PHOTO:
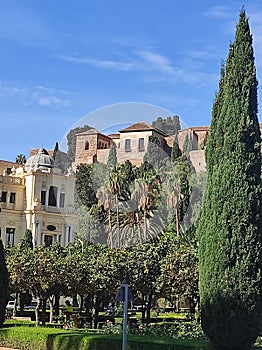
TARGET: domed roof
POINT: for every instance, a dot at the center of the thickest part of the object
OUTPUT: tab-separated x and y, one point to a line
41	161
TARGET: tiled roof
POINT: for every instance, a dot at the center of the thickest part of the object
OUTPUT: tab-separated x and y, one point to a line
89	132
141	126
137	127
114	136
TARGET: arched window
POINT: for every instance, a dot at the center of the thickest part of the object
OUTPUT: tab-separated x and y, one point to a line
86	145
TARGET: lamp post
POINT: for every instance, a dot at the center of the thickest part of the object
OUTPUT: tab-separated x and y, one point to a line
124	294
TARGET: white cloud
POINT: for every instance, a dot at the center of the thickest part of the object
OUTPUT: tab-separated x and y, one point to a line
105	64
50	100
45	97
158	62
220	11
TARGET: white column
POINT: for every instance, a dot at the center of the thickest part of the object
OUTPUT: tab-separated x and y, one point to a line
58	197
66	234
34	233
70	234
38	223
46	198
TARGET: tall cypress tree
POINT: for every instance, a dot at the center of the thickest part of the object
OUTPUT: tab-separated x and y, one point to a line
230	226
112	157
4	285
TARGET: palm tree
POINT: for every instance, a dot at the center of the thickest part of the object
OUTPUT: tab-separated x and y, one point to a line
20	159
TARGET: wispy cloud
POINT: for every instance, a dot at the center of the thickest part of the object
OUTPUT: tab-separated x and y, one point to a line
153	66
40	95
220	12
102	63
158	62
142	60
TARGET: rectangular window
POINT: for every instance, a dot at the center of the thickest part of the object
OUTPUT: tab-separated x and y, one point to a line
62	200
12	197
128	145
3	197
10	236
48	239
141	144
52	196
43	196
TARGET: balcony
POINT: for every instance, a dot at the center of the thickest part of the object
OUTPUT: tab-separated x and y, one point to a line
10	180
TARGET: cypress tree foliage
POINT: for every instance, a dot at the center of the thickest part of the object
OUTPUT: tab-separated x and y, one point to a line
112	157
84	188
175	153
155	153
55	150
27	241
4	285
230	227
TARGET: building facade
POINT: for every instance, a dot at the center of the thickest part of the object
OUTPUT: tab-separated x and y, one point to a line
131	144
37	197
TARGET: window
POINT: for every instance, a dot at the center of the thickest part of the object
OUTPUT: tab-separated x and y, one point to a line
141	144
62	200
48	239
3	197
12	197
43	196
10	236
52	196
86	145
128	145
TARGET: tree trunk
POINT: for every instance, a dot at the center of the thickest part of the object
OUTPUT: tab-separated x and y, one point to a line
37	311
43	310
56	304
94	315
148	309
51	303
15	306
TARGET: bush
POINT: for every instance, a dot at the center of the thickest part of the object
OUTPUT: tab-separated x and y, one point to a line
175	330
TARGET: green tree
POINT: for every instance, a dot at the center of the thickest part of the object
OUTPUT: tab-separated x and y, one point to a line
41	271
179	273
71	140
168	125
61	159
230	226
55	150
175	153
20	159
4	284
156	152
144	264
112	158
85	191
27	240
188	144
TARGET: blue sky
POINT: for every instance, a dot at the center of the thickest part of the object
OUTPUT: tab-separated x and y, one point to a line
63	60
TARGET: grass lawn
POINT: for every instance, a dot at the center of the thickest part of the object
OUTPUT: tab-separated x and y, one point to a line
29	337
42	338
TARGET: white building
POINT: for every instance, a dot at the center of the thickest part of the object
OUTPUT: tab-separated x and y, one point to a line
37	197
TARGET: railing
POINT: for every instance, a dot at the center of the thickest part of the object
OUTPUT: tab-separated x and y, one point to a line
10	180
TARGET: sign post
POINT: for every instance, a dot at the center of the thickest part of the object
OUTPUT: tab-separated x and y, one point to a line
124	294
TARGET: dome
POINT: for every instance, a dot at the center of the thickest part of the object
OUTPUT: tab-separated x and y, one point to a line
41	161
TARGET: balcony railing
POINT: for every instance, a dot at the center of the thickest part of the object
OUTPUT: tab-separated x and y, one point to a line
10	180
